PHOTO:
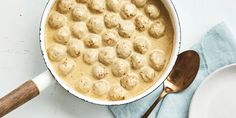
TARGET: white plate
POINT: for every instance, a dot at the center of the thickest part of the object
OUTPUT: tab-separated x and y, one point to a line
216	96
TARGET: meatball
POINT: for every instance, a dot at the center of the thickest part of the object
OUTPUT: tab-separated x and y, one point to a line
75	47
90	56
157	60
126	29
137	61
147	74
116	93
128	11
157	29
65	6
141	45
119	67
129	81
93	41
141	23
139	3
107	55
109	38
79	30
84	84
111	20
124	49
97	6
152	11
101	87
56	52
66	66
95	24
62	35
113	5
57	20
80	13
99	71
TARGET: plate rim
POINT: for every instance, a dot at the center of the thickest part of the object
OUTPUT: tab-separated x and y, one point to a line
203	83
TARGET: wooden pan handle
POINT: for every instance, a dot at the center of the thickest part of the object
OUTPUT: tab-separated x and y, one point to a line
17	97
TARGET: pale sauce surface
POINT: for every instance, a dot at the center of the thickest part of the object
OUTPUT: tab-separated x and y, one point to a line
164	43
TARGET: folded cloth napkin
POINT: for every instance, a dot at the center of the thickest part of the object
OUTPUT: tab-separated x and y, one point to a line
217	48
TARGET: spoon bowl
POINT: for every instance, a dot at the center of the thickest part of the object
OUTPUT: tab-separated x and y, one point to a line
184	71
181	76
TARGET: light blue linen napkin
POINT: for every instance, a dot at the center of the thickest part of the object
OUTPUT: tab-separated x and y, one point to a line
217	48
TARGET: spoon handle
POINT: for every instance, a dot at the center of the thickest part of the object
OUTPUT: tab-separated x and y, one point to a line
149	111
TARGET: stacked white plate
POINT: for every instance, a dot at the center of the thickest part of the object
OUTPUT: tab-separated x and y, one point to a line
216	96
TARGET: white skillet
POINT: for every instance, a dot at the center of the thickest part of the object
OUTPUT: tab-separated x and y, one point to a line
33	87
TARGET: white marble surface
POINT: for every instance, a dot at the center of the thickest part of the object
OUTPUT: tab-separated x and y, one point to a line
20	57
